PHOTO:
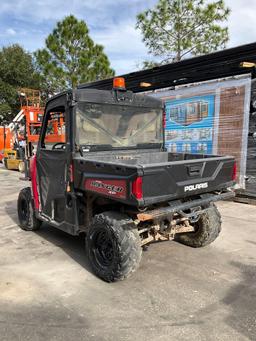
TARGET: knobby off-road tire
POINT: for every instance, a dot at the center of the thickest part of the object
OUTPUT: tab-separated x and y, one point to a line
207	229
113	246
27	218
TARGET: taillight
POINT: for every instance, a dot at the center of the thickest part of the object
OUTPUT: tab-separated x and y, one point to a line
137	188
234	172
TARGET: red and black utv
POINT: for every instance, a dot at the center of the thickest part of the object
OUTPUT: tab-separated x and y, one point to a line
112	178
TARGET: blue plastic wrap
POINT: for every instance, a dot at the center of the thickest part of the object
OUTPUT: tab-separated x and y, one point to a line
209	118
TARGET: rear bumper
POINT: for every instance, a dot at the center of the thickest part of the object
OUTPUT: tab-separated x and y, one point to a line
176	206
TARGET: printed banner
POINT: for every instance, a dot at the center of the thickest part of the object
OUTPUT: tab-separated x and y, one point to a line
189	124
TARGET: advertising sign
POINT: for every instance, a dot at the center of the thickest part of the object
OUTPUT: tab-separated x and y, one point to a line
189	124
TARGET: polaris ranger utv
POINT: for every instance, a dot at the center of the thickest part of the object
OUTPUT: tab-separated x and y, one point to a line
113	179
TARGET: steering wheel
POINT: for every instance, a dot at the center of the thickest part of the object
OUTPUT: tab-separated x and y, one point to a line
61	144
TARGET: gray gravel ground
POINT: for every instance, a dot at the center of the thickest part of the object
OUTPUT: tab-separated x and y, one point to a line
47	290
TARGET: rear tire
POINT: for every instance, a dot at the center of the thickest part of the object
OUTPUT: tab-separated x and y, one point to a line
113	246
207	229
26	214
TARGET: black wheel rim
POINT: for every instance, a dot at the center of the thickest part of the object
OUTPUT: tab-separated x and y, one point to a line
103	247
24	210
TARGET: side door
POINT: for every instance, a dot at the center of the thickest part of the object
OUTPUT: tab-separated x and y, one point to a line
52	161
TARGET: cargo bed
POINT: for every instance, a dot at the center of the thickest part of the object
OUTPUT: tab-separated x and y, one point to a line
165	176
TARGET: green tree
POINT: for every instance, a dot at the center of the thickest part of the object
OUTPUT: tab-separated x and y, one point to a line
71	57
174	29
16	70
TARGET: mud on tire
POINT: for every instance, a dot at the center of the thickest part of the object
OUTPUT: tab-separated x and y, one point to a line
113	246
207	229
27	218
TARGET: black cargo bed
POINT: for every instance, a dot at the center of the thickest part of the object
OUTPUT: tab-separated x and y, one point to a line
166	176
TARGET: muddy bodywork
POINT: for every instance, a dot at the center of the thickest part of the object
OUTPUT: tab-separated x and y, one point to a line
165	176
72	184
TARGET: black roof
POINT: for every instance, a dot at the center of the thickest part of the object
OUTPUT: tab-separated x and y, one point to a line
220	64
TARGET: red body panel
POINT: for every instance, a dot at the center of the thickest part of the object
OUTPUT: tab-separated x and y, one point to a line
112	188
33	174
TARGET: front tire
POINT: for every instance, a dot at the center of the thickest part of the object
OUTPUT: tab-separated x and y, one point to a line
26	214
113	246
207	229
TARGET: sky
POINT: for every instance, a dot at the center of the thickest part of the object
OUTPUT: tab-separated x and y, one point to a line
111	23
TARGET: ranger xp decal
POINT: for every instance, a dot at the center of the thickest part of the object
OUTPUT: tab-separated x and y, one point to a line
195	187
113	188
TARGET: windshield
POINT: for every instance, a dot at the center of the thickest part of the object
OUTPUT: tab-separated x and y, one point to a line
118	126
